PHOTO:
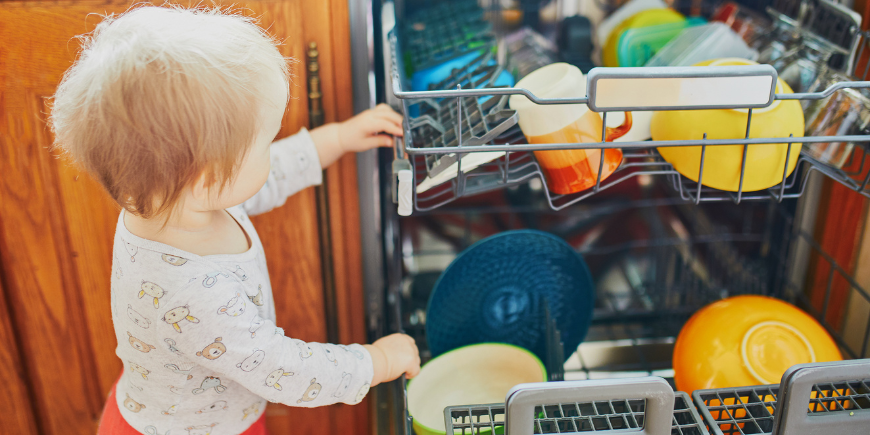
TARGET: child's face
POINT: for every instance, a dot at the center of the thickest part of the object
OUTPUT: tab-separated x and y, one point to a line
254	170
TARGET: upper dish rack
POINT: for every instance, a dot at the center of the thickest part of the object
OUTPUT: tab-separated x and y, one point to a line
468	116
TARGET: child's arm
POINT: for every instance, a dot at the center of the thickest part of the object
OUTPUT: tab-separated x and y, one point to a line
218	328
294	167
297	161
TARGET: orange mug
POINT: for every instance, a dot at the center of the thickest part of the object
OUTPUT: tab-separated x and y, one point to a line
567	171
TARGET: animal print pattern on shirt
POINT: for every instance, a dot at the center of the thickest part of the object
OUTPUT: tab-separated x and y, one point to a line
197	335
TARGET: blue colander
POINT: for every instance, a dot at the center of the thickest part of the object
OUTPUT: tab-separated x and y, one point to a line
497	290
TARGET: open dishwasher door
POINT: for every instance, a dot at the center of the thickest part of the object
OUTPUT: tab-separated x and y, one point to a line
660	246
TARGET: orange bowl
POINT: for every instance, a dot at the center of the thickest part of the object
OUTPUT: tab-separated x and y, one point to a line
747	340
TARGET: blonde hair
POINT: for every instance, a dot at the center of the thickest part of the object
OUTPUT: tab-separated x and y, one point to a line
161	96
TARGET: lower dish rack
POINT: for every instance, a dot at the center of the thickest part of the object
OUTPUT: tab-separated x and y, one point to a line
820	398
811	399
600	416
639	404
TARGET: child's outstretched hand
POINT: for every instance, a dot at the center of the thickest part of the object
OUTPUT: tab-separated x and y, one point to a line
370	129
393	356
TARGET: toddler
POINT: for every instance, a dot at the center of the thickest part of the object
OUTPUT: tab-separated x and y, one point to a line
174	112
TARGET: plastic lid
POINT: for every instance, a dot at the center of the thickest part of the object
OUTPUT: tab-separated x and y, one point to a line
637	46
623	13
558	80
700	43
770	348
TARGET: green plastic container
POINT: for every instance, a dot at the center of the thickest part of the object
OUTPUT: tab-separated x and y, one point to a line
637	46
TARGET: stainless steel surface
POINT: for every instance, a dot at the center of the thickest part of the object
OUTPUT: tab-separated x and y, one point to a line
388	24
368	171
368	184
637	144
619	358
362	54
661	72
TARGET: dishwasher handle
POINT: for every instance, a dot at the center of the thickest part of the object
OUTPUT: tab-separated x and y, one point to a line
522	399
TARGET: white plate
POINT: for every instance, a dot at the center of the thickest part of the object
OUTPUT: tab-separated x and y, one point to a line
469	162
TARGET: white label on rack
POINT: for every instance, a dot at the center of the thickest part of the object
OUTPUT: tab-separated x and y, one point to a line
676	88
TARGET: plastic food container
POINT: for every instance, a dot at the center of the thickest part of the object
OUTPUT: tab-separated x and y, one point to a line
436	74
567	171
602	32
648	18
637	46
700	43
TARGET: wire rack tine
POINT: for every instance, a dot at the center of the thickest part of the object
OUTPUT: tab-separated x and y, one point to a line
785	170
745	152
601	157
701	171
866	342
828	289
866	177
460	175
864	50
507	166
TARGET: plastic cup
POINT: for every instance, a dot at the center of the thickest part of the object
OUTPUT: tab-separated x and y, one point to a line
567	171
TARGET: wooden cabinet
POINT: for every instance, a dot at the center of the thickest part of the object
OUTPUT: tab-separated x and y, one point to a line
56	227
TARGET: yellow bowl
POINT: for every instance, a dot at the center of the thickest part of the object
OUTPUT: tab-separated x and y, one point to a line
747	340
764	163
472	375
649	17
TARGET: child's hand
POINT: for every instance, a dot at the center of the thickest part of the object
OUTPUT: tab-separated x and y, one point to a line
370	129
393	356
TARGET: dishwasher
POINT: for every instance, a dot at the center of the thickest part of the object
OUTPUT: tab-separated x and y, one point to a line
659	244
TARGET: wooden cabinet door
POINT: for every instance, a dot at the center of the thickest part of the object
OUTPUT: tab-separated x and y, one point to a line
57	225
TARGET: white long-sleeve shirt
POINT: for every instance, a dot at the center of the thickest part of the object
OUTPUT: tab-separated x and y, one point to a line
197	334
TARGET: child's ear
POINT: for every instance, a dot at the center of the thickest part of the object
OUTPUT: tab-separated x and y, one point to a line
199	189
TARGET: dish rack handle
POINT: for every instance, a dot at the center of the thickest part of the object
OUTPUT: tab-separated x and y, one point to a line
680	88
796	391
522	399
